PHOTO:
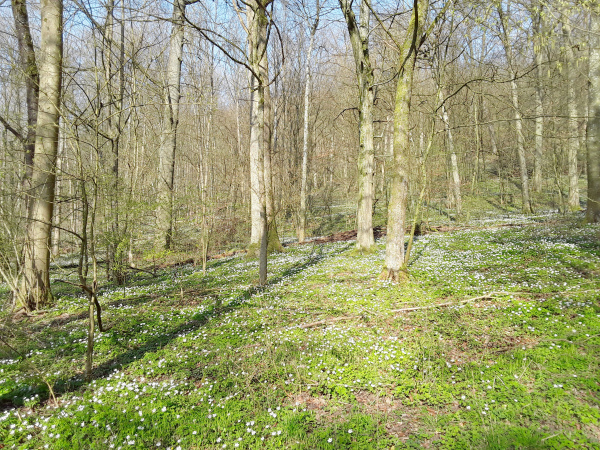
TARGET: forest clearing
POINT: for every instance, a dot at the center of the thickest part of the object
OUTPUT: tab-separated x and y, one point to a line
197	361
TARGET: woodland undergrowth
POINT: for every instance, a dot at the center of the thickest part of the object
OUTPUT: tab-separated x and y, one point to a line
493	342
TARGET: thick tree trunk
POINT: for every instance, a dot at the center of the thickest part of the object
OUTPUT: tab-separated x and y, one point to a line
395	269
593	125
255	167
36	273
29	67
168	142
359	38
573	125
257	50
394	249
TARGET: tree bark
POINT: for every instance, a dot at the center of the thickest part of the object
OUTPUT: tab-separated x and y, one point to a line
273	242
29	67
593	126
526	202
36	273
257	23
359	38
539	103
572	125
455	180
168	144
395	269
307	83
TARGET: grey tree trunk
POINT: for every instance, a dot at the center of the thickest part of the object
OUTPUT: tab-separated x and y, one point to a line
526	202
257	23
305	137
29	67
35	290
273	242
455	180
168	144
113	98
539	103
593	125
255	167
573	124
359	38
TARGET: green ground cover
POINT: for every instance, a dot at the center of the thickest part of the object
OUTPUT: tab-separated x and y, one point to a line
197	361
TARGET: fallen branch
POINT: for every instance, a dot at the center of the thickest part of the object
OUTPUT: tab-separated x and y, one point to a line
137	269
489	296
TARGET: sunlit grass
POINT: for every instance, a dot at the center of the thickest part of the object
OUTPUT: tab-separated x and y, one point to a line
209	361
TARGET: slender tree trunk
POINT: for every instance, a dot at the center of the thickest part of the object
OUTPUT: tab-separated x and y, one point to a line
36	273
573	125
593	125
539	103
29	67
526	202
359	38
455	176
273	245
168	142
58	193
305	137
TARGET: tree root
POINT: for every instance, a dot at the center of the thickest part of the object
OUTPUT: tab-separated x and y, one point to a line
395	276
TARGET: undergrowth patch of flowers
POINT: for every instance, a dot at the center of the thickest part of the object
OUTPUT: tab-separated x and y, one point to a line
197	360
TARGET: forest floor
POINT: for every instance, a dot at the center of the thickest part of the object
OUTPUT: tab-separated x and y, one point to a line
494	342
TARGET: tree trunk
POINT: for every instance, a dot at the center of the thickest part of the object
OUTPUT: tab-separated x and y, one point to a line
256	164
307	80
273	244
593	126
29	67
539	104
395	269
455	178
36	272
257	49
526	202
573	125
359	38
168	142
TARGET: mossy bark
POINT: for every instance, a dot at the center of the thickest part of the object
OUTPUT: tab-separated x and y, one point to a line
394	249
359	38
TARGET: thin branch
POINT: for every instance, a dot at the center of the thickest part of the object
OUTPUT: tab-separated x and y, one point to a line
489	296
18	135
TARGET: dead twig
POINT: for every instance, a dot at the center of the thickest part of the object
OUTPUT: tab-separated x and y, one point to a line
488	296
